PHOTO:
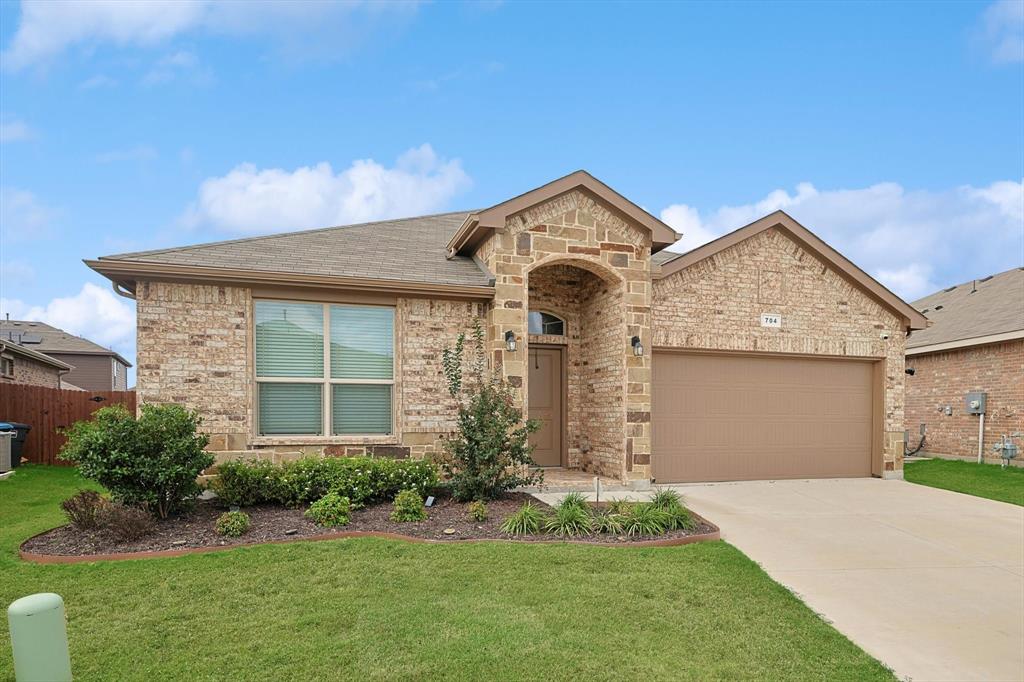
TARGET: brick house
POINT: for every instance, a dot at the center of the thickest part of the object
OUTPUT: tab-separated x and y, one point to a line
975	343
93	367
764	354
20	365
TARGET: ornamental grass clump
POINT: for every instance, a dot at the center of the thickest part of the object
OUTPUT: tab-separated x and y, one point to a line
677	516
644	518
330	511
569	520
408	506
527	520
232	524
607	522
489	453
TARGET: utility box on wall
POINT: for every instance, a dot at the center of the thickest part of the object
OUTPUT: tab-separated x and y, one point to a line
975	402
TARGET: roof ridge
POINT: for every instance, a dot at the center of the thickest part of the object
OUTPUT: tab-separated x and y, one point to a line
985	279
276	235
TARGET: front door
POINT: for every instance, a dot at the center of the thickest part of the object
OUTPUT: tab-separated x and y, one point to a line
545	405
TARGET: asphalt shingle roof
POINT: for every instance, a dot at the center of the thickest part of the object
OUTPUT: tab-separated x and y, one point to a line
43	338
408	250
983	307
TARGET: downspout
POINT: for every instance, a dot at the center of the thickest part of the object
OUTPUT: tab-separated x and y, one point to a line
116	286
981	438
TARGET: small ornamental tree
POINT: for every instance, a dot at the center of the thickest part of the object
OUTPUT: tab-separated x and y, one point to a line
490	451
150	462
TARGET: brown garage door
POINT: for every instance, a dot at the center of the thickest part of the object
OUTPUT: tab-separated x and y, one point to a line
754	417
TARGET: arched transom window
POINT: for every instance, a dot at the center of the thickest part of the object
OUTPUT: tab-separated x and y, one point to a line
545	323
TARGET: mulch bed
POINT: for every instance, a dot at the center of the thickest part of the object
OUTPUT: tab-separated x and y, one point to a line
270	523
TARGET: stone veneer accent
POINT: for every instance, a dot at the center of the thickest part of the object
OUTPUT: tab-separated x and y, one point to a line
193	349
944	378
716	304
576	230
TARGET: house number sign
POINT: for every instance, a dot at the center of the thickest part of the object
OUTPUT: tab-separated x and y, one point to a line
771	320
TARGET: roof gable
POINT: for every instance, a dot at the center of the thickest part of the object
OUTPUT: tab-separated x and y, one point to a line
478	226
912	319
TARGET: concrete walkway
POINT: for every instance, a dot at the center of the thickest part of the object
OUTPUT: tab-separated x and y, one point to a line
928	581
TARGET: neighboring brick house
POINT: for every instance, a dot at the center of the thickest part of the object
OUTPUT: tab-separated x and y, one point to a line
20	365
975	343
764	354
94	368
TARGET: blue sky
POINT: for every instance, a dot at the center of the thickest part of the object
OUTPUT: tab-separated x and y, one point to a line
893	130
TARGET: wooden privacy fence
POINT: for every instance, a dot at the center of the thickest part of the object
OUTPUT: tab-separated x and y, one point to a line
48	409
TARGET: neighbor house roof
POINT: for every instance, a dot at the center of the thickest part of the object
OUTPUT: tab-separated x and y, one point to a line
479	225
15	349
50	340
382	254
807	239
985	310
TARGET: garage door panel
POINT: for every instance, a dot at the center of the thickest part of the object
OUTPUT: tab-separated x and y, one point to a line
722	417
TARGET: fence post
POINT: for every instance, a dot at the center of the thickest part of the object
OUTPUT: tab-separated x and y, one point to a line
39	639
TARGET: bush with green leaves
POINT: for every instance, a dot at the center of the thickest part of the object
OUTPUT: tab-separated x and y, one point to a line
152	461
363	480
527	520
644	518
477	510
232	524
330	511
408	506
83	509
569	520
490	451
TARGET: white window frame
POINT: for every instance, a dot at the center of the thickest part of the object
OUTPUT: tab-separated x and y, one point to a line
326	382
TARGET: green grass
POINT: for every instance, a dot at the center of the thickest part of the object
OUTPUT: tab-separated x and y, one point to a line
384	610
982	480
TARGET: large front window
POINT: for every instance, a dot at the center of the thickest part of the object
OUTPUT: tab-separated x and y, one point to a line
324	369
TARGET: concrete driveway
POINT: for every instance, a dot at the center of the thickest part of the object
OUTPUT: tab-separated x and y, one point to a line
928	581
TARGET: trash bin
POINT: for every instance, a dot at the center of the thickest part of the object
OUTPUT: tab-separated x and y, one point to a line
5	450
18	442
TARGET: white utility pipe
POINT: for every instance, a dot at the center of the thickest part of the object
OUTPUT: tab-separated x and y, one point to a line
981	437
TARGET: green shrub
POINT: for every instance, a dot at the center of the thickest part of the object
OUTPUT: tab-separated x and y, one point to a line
526	520
490	451
232	524
361	479
645	519
83	509
574	499
152	461
569	520
477	510
677	516
244	484
408	507
330	511
607	522
124	522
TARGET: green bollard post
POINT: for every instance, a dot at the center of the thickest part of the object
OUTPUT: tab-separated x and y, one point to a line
39	639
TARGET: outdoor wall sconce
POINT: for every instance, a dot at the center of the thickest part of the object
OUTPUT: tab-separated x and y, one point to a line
638	348
510	341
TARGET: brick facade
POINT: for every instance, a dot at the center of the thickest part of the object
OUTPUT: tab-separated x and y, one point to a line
944	378
31	371
716	304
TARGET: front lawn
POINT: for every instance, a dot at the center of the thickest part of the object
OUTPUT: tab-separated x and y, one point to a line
377	609
982	480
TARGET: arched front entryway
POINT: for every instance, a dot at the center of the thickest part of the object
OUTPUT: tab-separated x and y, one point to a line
576	366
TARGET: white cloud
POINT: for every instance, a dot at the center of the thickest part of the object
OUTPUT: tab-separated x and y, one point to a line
142	152
96	313
23	216
14	131
912	241
98	81
177	65
250	200
1001	31
16	269
49	28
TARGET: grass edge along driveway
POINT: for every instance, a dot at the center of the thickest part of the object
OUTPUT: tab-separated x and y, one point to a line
990	481
378	609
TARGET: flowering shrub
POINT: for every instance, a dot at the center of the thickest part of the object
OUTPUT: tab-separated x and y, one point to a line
232	524
361	479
